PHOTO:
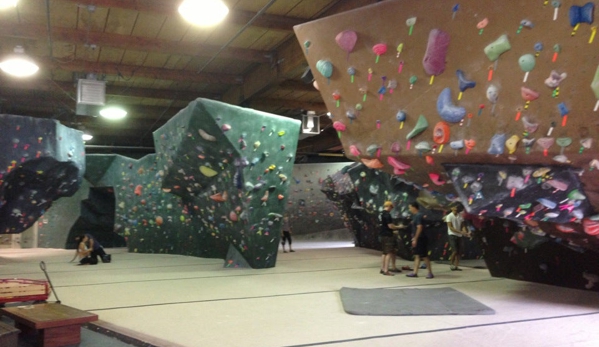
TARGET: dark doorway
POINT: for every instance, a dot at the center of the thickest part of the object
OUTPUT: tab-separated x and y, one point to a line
97	219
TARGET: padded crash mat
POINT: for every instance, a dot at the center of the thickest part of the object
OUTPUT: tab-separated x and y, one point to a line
410	302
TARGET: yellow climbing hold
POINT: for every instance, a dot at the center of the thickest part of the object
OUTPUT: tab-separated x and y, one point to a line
281	133
208	172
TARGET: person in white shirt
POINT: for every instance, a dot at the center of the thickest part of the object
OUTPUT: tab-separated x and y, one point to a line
455	230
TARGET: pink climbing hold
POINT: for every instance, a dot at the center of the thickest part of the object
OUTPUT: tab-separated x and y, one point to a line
436	178
396	164
436	51
354	151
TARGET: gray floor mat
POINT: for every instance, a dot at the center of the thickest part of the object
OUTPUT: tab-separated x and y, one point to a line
410	302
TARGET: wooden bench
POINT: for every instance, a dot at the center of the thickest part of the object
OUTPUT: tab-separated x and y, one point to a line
9	335
55	324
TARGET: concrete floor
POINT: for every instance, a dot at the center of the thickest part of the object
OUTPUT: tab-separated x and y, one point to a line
172	300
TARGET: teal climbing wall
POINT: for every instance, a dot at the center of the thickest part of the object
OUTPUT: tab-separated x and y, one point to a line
216	187
309	209
40	162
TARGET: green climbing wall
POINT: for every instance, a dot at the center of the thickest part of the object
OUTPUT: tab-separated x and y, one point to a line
216	187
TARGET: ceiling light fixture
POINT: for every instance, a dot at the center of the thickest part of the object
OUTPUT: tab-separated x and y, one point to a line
19	64
4	4
310	122
113	112
203	12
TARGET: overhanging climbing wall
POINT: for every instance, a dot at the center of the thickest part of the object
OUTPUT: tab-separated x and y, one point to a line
216	187
415	85
40	161
489	103
359	193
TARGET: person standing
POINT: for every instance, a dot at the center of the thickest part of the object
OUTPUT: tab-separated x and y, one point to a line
419	242
387	238
455	231
286	233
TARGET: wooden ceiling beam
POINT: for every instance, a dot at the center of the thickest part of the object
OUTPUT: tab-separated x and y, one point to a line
290	62
298	86
70	88
265	103
47	104
129	71
100	39
170	8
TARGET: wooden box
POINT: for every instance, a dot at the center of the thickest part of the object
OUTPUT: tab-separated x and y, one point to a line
19	289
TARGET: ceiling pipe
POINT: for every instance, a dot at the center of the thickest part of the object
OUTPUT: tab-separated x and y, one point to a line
50	44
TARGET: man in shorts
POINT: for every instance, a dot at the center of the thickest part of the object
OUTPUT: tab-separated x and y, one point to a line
455	231
387	238
419	242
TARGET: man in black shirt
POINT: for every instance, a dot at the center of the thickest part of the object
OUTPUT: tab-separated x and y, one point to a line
387	238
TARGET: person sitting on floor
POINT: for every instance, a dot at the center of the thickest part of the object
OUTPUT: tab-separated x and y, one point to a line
84	252
97	249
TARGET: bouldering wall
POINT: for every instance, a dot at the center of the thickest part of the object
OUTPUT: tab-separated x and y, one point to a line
434	92
55	225
309	209
217	186
528	253
40	162
359	193
96	218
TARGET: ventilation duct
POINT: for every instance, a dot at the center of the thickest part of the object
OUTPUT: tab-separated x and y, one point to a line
91	94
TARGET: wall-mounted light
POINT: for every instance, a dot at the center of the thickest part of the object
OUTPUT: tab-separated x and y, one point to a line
203	12
310	123
19	64
86	136
4	4
113	112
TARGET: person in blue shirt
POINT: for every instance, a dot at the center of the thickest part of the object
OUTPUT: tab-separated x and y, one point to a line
419	242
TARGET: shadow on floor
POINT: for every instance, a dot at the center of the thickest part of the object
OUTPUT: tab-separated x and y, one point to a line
472	263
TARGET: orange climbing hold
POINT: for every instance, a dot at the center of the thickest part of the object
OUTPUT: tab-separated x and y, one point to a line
372	163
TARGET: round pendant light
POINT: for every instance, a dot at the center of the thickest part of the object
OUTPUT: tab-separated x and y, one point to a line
203	12
4	4
19	64
113	112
